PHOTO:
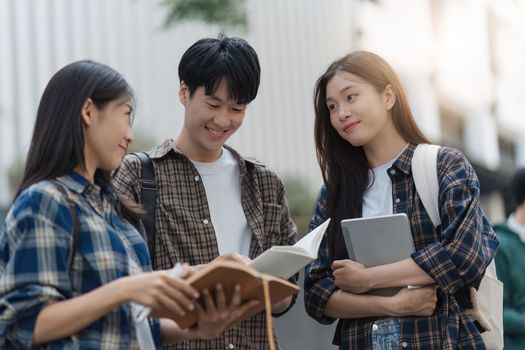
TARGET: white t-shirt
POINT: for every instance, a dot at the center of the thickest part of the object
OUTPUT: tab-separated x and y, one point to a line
377	199
222	184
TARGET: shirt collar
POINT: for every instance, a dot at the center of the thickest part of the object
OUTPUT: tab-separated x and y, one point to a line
169	146
404	161
163	149
75	182
79	184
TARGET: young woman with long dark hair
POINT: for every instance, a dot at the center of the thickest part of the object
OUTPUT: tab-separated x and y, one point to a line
71	267
365	138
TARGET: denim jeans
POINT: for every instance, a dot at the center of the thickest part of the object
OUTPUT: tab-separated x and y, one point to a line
385	334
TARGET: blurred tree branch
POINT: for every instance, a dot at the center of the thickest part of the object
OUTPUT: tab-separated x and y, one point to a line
224	13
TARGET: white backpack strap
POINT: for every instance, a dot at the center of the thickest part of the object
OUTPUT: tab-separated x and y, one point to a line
424	172
488	300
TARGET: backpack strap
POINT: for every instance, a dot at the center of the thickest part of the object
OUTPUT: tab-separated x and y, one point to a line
148	198
76	223
487	300
424	172
425	175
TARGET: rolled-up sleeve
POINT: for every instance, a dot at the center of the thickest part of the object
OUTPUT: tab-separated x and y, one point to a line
319	282
468	242
34	264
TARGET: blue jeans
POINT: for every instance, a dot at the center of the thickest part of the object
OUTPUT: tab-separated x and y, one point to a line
385	334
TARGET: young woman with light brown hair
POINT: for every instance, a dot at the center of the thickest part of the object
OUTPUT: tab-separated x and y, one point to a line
365	137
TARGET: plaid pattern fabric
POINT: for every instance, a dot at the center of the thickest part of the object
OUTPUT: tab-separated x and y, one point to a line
185	232
455	255
35	249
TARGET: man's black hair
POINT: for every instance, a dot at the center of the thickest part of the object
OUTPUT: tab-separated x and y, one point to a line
209	62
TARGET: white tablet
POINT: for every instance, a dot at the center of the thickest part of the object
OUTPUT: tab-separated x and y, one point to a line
378	240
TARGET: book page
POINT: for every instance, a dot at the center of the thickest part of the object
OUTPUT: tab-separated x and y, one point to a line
285	261
311	241
280	263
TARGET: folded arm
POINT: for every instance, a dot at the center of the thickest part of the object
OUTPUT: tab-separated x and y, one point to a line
468	242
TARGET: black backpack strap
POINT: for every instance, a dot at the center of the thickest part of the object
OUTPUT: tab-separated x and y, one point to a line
76	223
148	198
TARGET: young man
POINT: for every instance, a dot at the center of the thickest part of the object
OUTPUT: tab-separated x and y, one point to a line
211	202
510	266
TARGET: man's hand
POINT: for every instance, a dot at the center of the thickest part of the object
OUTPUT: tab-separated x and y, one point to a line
236	257
217	316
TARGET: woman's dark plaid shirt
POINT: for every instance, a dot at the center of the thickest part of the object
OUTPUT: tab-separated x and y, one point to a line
455	256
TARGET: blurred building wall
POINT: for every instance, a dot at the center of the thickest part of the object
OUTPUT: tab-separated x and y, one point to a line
37	37
460	61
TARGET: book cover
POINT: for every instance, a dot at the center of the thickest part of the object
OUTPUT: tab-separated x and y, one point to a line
228	274
378	240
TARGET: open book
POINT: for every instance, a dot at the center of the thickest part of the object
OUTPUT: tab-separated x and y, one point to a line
228	274
285	261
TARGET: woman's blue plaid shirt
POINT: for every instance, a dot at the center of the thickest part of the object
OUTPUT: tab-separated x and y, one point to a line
35	247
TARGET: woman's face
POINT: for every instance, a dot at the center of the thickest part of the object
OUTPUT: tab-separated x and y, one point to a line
358	112
107	133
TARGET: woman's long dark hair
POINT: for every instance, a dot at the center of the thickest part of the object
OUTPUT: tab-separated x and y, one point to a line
57	145
345	167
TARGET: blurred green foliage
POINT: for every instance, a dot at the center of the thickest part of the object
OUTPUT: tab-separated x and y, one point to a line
224	13
300	202
15	172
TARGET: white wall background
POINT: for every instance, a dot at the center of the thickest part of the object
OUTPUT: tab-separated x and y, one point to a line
295	40
468	53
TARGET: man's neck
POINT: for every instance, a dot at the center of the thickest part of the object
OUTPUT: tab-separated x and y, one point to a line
194	152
